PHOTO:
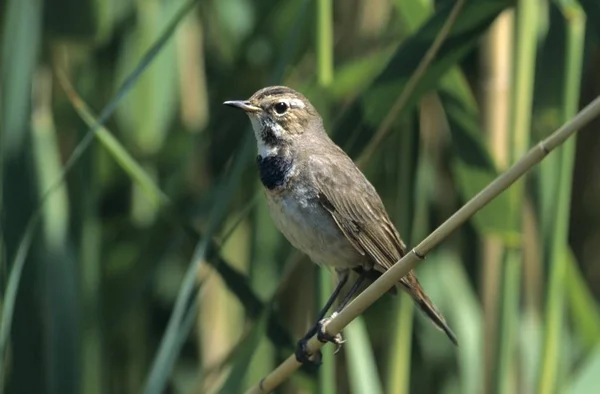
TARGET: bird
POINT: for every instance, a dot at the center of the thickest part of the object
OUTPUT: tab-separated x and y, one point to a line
324	205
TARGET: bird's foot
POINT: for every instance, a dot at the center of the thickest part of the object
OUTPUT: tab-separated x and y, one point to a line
324	337
303	356
302	353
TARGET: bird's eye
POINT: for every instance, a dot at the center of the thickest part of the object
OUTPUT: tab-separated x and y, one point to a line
281	108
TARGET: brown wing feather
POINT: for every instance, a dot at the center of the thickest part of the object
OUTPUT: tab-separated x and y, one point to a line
358	211
360	214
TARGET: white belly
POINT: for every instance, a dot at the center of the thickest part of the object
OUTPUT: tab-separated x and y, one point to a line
311	229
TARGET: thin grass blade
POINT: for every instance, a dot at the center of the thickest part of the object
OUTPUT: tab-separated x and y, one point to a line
585	380
362	366
582	306
559	248
244	352
25	242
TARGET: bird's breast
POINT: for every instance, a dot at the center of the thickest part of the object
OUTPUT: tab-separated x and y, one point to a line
297	213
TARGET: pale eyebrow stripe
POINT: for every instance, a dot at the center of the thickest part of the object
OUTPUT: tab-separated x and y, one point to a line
296	103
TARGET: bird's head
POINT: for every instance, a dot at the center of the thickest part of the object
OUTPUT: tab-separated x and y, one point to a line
280	117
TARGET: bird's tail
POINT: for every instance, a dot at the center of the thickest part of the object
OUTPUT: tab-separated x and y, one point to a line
413	287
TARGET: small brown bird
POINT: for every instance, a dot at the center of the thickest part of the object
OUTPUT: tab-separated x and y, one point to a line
323	203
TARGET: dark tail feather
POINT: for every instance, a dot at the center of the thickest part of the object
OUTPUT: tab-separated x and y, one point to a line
411	284
436	318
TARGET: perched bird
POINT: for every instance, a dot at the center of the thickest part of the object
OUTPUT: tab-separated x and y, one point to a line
322	202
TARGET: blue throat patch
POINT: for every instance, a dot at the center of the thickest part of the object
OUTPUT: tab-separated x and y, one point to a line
274	170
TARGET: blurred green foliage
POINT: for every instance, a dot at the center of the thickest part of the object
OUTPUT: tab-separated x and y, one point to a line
138	254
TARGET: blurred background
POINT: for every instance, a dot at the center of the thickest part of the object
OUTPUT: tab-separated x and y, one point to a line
140	256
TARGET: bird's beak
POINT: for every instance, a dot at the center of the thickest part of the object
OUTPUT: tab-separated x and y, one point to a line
243	105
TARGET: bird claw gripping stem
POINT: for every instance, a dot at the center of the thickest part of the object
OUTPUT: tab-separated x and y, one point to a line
324	337
303	356
302	353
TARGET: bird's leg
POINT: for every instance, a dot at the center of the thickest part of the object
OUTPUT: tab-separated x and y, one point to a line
302	354
351	292
337	339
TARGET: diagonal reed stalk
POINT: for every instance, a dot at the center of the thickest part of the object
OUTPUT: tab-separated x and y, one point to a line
411	85
408	262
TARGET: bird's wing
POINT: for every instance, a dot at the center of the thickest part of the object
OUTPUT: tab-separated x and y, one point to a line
358	211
